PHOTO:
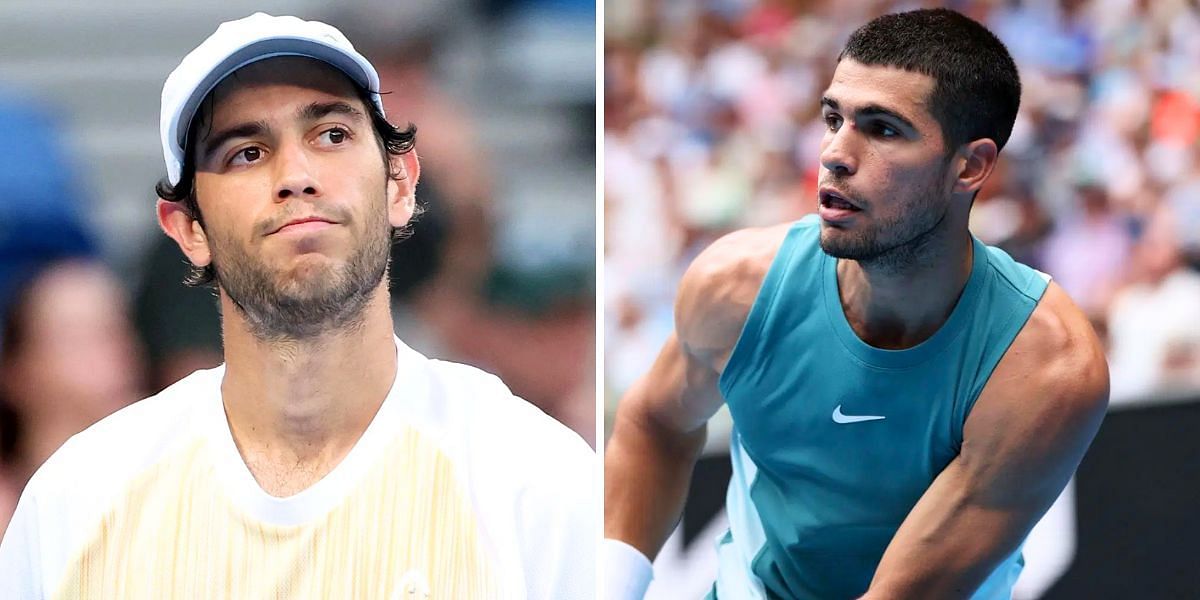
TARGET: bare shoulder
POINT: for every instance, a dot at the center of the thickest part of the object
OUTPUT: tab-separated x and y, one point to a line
1061	350
1054	373
719	288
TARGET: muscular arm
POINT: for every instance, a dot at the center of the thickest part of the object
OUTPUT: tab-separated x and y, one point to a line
657	437
1021	443
661	421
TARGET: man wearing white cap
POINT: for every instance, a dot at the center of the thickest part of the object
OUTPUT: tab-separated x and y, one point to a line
325	459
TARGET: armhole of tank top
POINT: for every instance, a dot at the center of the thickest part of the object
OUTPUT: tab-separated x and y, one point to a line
750	338
1032	286
1017	318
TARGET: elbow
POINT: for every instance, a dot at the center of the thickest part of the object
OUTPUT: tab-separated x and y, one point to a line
642	430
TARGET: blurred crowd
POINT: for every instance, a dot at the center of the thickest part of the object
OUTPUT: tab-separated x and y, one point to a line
712	123
82	334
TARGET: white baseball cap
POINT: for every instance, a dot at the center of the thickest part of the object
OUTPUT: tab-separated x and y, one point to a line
236	44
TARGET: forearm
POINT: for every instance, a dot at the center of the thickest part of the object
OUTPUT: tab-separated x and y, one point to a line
920	575
647	469
949	544
953	569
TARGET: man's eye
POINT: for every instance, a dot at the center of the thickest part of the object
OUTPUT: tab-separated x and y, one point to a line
833	121
335	136
886	131
246	156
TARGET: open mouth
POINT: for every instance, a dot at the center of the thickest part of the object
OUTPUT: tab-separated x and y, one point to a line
834	200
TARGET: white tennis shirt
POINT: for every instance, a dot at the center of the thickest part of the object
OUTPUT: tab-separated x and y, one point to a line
457	489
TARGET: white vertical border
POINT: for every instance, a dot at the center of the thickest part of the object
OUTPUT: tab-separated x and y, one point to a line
600	441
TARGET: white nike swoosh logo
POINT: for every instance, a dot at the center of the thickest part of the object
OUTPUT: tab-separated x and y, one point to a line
838	417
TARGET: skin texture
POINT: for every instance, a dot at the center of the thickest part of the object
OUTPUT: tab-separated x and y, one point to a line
1029	428
307	329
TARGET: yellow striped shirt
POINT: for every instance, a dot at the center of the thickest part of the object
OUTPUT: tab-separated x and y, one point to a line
457	489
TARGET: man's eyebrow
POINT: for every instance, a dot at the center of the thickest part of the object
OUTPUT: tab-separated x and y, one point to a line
317	110
871	110
216	140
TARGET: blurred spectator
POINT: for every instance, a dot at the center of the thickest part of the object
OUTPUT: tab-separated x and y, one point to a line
1087	251
68	356
70	359
1154	322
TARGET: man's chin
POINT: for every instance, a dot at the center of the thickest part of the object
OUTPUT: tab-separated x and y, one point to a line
315	262
308	290
840	244
308	270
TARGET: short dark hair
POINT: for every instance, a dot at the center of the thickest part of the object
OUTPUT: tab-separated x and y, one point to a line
393	141
976	89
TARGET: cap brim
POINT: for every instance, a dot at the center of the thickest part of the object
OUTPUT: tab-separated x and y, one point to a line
360	73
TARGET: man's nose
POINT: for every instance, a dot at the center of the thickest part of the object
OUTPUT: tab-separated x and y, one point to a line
294	173
838	152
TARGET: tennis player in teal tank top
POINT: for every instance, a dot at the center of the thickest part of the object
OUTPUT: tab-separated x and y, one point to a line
907	402
887	421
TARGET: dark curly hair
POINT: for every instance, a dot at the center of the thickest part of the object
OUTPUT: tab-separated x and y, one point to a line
392	141
976	90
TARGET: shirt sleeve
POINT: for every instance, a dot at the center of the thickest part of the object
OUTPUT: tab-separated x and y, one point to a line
20	569
559	528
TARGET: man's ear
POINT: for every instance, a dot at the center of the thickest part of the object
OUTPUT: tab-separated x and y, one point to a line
402	187
186	231
976	161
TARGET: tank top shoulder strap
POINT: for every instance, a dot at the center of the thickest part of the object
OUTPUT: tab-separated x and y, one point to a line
1010	295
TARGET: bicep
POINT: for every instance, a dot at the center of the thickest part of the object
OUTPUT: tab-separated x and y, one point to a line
1043	405
715	295
1014	460
678	392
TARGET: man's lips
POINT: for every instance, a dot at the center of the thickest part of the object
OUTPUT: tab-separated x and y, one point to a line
831	198
834	208
304	224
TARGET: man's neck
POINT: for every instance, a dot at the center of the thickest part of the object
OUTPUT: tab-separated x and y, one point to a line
898	304
296	408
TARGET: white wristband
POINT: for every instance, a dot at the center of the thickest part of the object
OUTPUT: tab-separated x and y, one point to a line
627	572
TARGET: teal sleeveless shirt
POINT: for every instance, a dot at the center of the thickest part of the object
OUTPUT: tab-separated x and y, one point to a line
835	440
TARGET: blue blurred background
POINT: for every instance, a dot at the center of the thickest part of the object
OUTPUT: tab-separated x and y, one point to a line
92	310
712	123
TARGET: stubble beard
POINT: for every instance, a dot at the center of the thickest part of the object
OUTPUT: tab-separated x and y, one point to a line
302	306
897	244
